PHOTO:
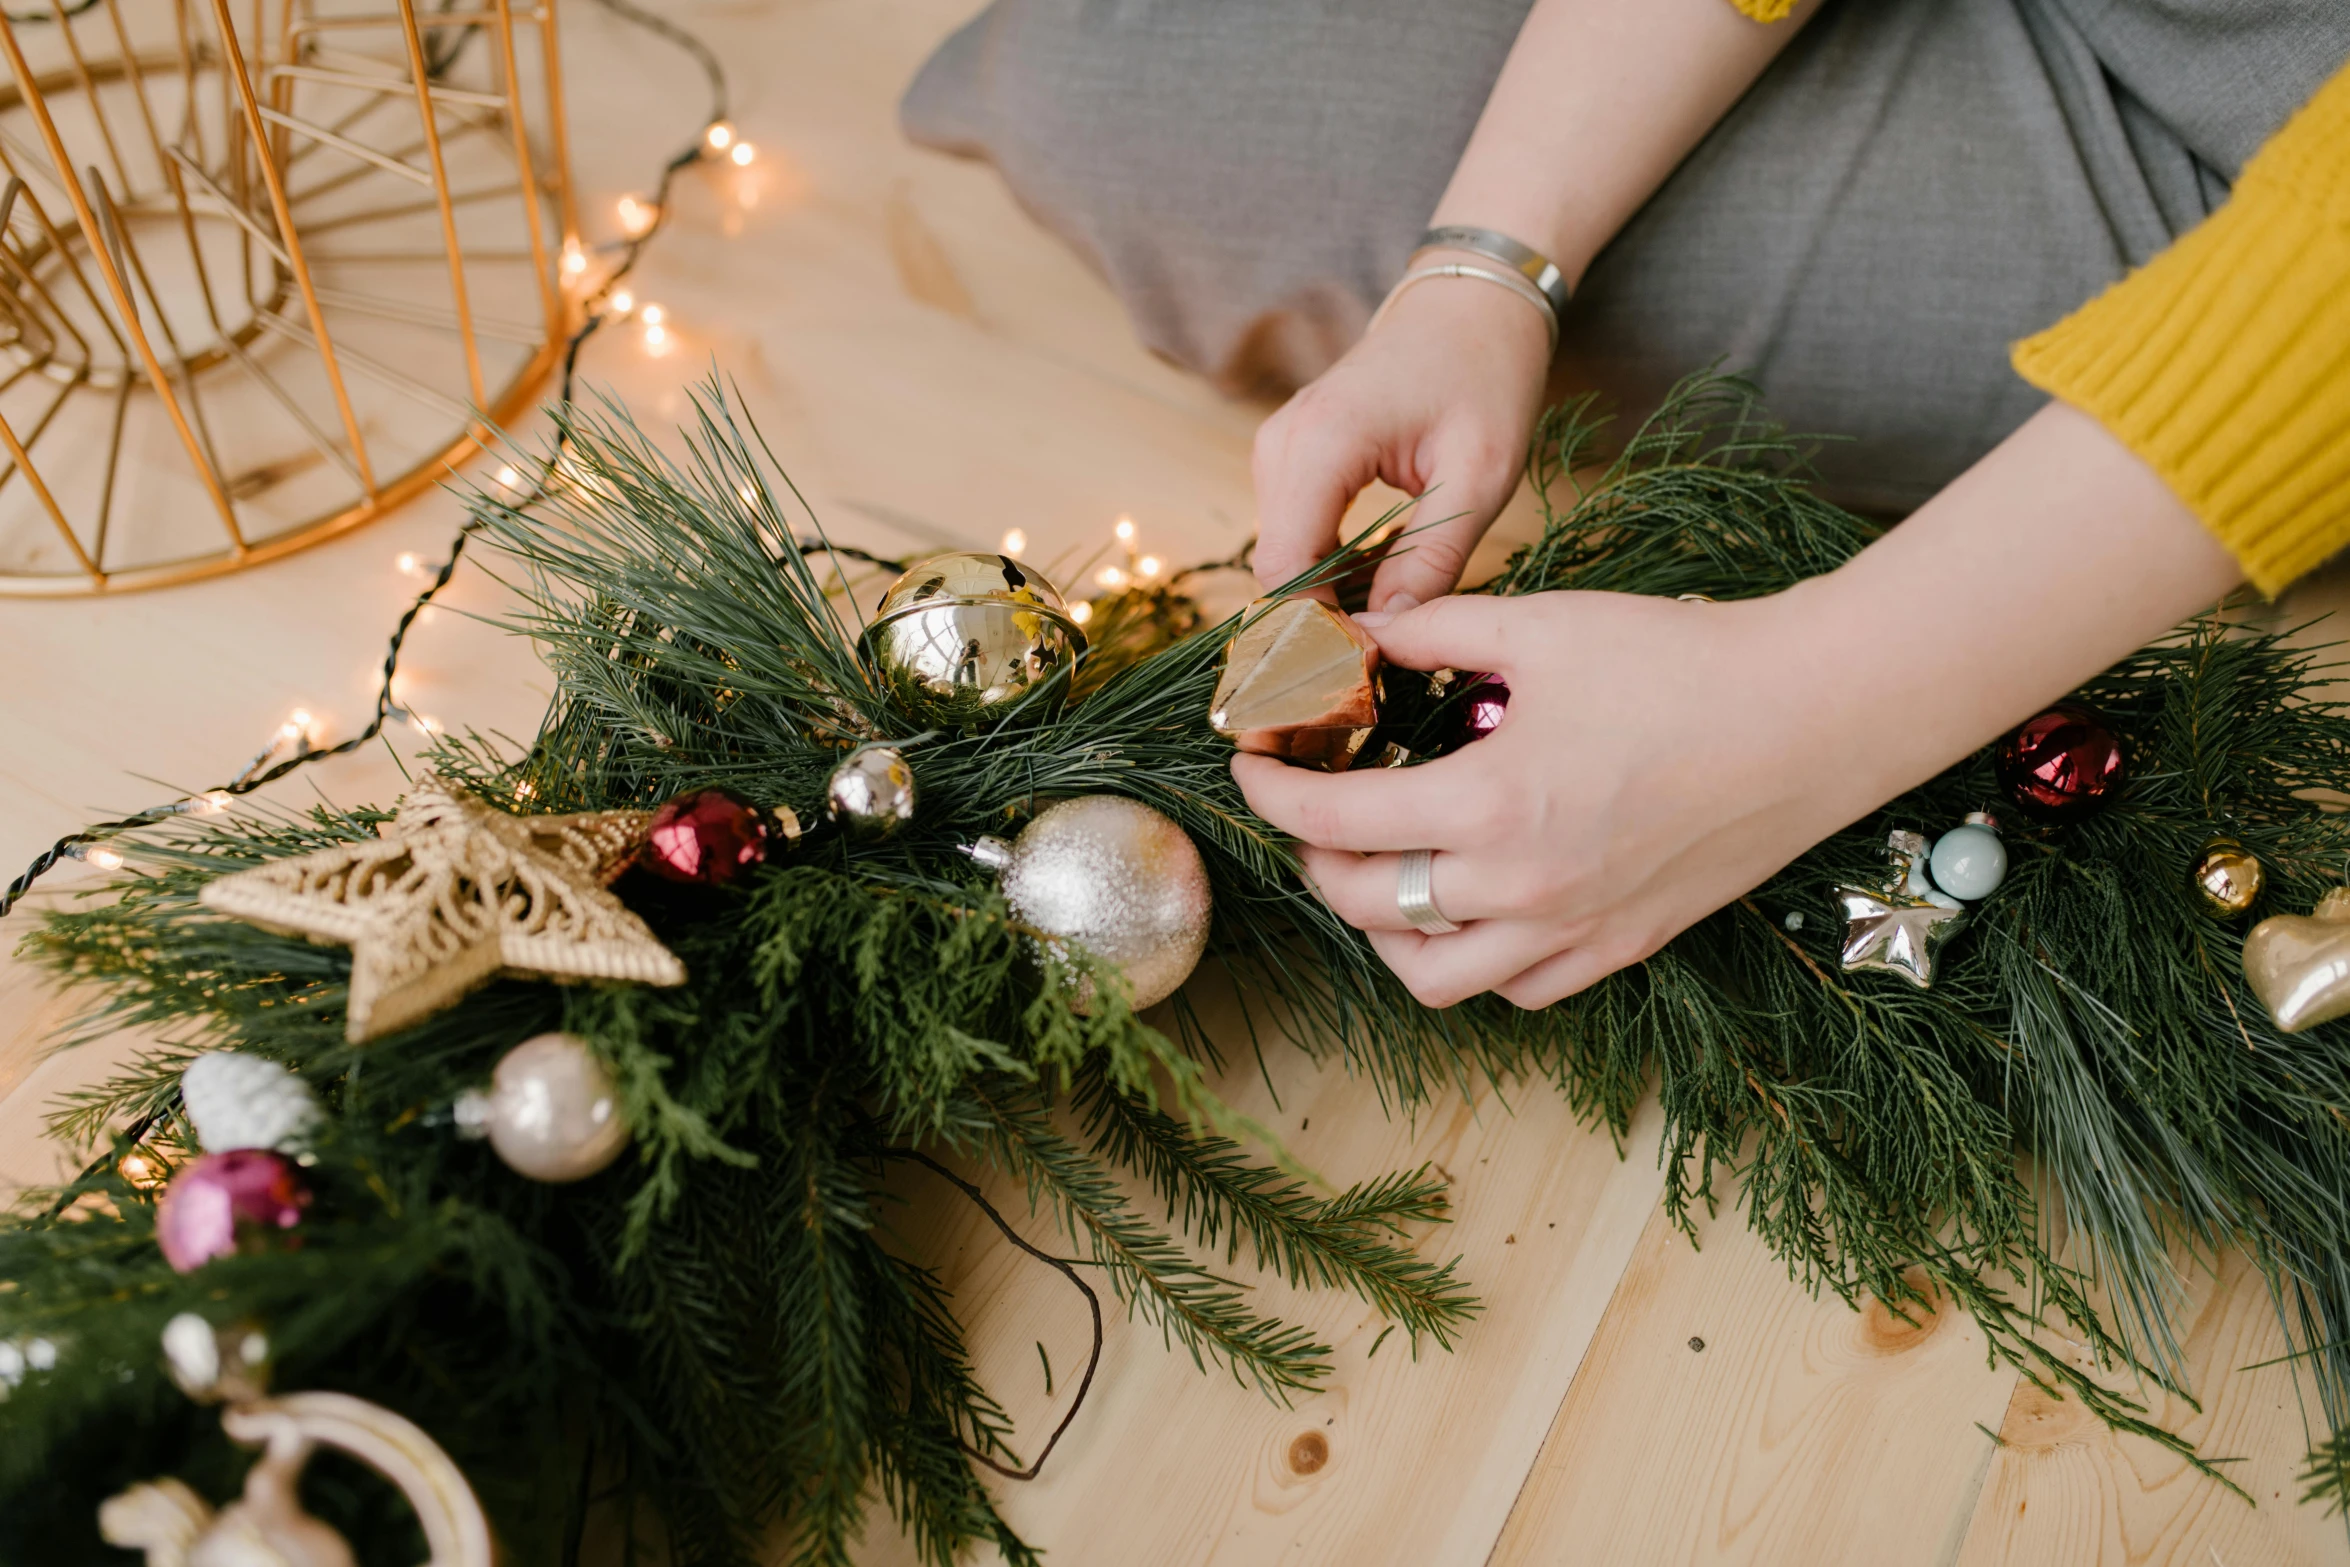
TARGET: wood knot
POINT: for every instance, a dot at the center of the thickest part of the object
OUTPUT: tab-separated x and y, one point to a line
1309	1452
1890	1329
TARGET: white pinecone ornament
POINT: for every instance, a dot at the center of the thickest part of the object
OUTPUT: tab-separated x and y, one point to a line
238	1101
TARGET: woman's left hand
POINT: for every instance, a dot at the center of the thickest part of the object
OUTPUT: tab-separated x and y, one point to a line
1657	759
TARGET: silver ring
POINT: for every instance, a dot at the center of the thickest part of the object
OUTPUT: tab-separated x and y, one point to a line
1415	894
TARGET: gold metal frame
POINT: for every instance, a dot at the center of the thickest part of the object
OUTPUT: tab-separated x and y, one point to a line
201	309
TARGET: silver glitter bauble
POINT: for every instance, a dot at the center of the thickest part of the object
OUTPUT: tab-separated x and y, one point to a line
873	794
240	1101
552	1112
959	635
1117	878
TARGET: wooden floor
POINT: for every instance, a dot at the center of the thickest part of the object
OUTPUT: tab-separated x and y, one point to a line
935	370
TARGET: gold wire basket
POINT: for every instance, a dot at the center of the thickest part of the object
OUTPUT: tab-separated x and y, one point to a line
263	276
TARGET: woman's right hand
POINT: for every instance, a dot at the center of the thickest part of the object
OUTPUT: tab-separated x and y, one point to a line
1438	401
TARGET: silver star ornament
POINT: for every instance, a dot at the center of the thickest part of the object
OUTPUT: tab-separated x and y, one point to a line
1890	933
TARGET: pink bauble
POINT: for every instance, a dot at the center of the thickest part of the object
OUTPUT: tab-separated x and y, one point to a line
224	1200
1488	701
709	836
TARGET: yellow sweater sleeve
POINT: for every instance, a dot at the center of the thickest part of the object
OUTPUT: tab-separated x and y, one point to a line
2225	361
1766	10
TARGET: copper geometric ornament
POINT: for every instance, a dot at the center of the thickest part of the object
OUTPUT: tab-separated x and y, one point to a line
1300	683
454	893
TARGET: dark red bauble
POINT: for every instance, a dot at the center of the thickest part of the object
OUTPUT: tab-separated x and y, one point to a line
227	1202
2061	764
707	838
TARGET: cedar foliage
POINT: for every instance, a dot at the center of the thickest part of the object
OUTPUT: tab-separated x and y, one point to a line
725	1330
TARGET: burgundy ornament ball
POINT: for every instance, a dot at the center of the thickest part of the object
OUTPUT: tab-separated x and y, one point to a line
2061	764
224	1201
708	838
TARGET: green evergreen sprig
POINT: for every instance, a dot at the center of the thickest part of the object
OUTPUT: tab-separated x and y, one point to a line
725	1328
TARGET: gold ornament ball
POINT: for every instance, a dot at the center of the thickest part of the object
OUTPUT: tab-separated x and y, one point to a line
552	1112
961	635
1120	880
2229	877
873	793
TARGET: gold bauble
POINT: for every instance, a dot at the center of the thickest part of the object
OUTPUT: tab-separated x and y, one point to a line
2229	877
873	793
1115	877
2299	964
959	636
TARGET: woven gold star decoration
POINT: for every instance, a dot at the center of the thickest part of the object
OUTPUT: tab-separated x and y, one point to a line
451	894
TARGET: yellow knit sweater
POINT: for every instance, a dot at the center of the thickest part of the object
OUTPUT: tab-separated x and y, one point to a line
2225	361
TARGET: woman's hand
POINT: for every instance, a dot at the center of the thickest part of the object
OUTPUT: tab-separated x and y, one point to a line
1660	758
1438	401
1657	760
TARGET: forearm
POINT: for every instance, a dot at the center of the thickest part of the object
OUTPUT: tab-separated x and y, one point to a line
1597	103
2054	556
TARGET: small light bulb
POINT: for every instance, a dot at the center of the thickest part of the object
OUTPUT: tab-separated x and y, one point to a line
104	859
636	216
747	495
654	315
719	136
142	1169
430	725
526	790
656	337
574	259
1147	567
297	724
406	562
215	803
1081	612
1015	541
1110	577
508	477
1125	530
743	153
623	301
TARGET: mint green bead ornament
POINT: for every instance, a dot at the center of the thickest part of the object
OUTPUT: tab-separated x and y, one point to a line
1970	862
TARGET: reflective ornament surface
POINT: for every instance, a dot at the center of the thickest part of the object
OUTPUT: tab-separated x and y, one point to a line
212	1364
1902	929
873	793
2299	964
2061	764
706	838
224	1202
2229	878
960	635
1118	879
1970	861
241	1101
1300	682
552	1112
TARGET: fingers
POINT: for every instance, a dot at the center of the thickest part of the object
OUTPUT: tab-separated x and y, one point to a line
1443	971
1310	462
1360	889
1459	503
1558	976
1453	632
1424	807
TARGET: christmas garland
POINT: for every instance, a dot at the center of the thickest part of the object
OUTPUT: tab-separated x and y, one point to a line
627	1244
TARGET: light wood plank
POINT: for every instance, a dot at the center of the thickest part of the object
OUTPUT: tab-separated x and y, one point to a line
1800	1432
1399	1460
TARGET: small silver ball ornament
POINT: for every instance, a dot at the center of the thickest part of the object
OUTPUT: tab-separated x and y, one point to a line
552	1112
873	793
959	635
1969	861
1117	878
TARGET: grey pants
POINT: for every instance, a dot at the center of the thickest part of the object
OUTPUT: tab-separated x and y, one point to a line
1911	187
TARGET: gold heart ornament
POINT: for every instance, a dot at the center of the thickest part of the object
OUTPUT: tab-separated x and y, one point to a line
2299	964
